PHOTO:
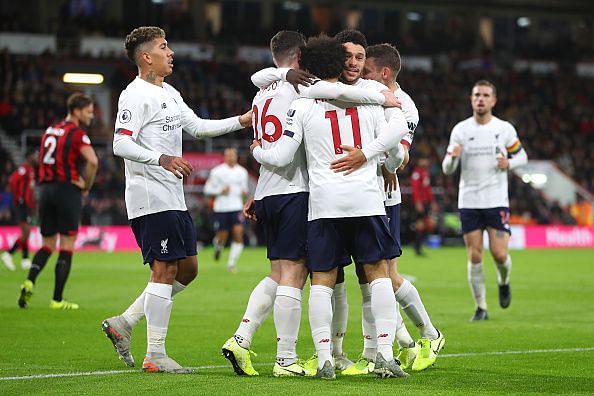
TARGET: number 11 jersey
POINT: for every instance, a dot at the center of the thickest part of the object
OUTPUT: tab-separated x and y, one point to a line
323	126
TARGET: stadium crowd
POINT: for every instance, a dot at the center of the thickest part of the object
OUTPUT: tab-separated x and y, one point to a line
552	113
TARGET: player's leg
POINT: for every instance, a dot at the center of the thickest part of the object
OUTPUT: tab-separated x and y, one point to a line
320	319
366	362
7	255
62	271
24	245
423	353
237	348
498	245
236	242
157	308
384	310
175	262
48	224
287	317
372	245
419	228
39	261
221	234
326	250
340	318
69	211
476	276
186	273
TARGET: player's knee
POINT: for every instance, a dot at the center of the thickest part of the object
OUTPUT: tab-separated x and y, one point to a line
499	255
476	255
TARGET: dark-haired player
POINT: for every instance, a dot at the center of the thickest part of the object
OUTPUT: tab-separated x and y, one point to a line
61	185
22	185
148	135
280	205
346	211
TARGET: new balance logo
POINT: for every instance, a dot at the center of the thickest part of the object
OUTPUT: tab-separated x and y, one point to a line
383	335
245	320
324	341
164	246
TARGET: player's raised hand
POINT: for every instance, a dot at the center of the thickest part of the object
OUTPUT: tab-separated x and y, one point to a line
389	180
176	165
249	210
246	119
350	162
298	76
391	100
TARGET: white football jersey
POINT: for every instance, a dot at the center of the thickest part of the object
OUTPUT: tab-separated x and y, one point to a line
323	126
412	120
482	184
149	123
270	107
152	115
236	178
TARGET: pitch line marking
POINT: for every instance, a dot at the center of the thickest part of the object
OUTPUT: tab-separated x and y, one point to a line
442	356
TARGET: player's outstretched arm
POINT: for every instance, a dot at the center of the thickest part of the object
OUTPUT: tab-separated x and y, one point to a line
348	93
388	138
201	128
391	133
297	77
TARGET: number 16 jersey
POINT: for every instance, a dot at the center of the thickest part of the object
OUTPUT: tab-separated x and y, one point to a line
270	107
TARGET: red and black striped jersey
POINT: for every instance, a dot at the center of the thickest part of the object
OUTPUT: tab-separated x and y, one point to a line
22	184
59	153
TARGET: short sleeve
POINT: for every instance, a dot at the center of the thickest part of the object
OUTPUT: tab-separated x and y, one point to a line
80	139
130	117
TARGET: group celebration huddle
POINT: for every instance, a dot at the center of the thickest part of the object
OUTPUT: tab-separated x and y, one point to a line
332	127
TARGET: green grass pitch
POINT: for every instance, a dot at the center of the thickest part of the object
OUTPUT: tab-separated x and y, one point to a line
544	343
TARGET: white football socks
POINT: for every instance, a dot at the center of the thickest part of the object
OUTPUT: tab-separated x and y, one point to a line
157	308
403	337
234	253
258	308
320	321
408	297
287	317
476	279
368	324
504	271
384	310
135	312
340	317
